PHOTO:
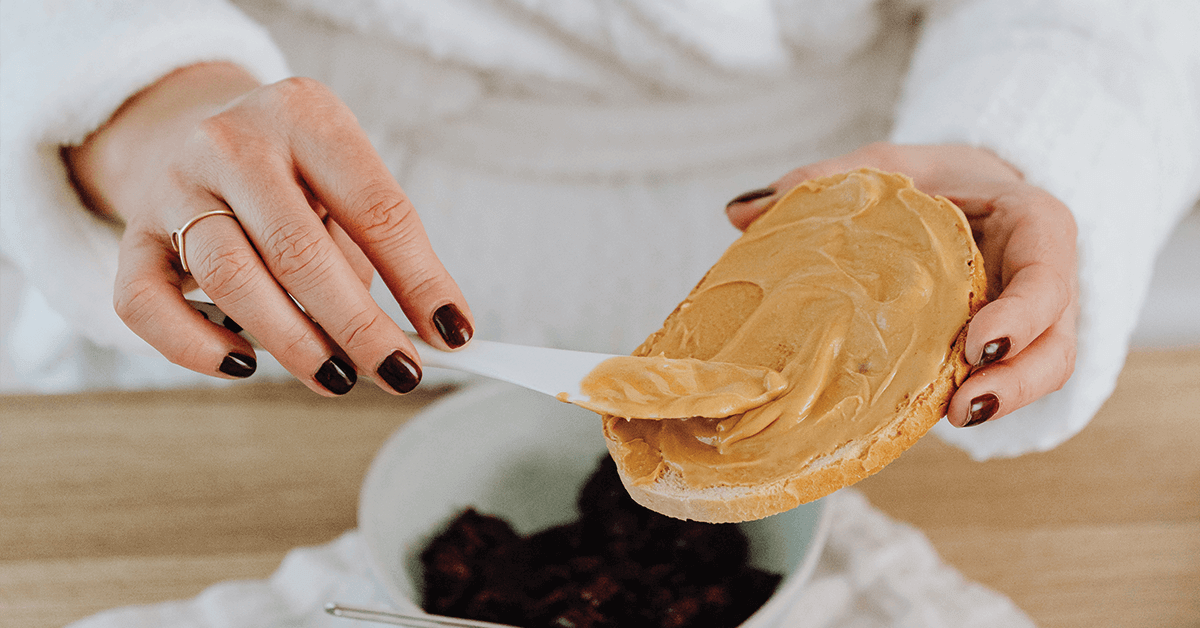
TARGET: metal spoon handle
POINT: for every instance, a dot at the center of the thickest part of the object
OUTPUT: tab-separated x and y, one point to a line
410	621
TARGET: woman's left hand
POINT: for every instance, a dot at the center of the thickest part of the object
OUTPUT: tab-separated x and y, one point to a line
1022	343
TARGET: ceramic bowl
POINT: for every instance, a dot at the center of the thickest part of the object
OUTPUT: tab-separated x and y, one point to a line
523	456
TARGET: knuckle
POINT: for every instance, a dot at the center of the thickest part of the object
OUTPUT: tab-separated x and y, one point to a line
308	103
1057	288
225	274
219	135
1066	366
295	341
1024	393
384	217
1061	288
296	253
225	140
357	331
136	305
420	288
1012	198
1036	206
299	88
133	301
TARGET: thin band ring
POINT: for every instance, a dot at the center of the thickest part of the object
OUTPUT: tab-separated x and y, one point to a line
177	241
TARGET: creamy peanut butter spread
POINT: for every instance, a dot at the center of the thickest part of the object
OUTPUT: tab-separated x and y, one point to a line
660	388
854	287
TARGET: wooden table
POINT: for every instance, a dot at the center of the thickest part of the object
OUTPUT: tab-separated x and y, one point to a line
113	499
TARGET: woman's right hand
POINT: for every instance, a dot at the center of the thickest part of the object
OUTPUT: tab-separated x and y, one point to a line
317	213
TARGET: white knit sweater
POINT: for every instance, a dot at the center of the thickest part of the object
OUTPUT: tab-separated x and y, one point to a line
571	159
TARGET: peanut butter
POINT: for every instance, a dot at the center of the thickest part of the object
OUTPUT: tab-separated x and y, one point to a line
660	388
854	287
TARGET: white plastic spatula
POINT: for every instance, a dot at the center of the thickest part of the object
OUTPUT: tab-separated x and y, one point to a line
546	370
643	388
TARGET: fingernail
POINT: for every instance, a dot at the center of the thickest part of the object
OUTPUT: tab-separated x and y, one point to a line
994	351
238	365
231	325
981	409
752	195
400	372
454	328
336	376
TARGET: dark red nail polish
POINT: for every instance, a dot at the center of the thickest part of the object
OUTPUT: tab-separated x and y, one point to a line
752	195
336	375
453	327
400	372
994	351
981	409
231	325
238	365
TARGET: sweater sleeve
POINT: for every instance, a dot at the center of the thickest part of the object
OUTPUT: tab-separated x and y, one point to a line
1098	103
65	67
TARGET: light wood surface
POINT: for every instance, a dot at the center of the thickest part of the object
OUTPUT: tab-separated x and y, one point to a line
113	499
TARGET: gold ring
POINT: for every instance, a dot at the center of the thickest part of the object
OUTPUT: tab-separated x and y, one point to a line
177	235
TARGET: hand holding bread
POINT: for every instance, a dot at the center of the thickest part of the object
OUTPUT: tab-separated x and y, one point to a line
857	288
1022	343
871	297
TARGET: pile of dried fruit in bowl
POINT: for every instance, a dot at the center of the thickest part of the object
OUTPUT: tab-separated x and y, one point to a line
619	564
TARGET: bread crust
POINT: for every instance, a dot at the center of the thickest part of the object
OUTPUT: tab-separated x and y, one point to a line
849	463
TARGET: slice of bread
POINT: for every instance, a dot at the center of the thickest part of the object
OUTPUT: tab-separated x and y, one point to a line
858	288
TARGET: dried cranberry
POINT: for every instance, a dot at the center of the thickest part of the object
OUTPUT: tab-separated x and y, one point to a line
681	613
600	590
502	605
577	617
618	565
585	565
716	598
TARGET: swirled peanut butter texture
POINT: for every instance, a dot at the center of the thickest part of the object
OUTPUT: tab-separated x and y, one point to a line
854	288
661	388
